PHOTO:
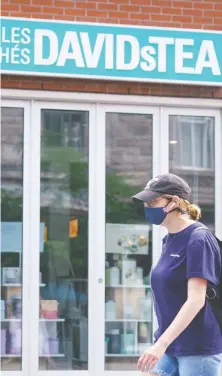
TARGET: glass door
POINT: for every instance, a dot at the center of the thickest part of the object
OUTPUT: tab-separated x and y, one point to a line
128	246
194	153
15	128
63	185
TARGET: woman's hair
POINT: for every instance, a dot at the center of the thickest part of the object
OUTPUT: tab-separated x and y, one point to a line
191	209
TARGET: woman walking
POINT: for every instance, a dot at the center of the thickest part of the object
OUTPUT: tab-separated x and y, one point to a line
188	341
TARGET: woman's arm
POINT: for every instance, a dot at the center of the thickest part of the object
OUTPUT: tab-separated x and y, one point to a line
197	288
196	296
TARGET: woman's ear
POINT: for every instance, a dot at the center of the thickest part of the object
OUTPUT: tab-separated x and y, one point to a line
176	200
173	204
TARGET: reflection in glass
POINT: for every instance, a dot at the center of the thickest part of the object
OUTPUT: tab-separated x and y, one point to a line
192	157
128	301
12	131
63	328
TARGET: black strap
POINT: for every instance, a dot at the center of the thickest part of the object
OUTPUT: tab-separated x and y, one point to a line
212	293
215	302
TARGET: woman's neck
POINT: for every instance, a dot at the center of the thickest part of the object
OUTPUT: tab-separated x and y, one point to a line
176	224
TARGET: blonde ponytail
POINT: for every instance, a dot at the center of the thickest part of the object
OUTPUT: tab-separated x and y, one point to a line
194	212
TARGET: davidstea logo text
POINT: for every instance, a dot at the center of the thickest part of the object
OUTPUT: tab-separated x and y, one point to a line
111	52
123	52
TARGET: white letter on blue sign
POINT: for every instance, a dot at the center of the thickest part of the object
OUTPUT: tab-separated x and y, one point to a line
71	41
150	63
162	55
92	56
109	51
25	36
3	36
5	54
181	55
52	54
134	56
207	50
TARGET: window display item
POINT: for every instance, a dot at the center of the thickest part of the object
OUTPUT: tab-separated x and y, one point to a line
11	276
110	310
107	274
143	332
64	294
13	295
146	308
128	311
49	309
43	345
146	280
114	276
106	343
129	272
114	342
83	331
3	341
128	342
2	308
127	238
49	326
53	346
15	334
128	295
16	307
139	276
47	344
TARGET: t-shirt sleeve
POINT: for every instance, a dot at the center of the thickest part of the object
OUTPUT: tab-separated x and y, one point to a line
202	260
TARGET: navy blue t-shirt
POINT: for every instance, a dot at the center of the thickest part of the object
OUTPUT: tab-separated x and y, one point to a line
187	254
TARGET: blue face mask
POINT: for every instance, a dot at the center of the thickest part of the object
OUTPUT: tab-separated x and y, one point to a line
155	216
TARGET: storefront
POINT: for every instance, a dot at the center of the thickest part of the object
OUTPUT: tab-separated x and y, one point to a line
76	253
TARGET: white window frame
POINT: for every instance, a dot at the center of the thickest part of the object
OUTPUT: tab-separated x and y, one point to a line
140	100
26	238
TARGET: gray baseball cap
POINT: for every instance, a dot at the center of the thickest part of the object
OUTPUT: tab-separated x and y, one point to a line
166	184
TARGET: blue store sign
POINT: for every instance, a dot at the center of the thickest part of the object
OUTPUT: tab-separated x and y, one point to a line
110	52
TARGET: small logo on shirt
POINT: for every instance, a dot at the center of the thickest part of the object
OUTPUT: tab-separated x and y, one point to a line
173	255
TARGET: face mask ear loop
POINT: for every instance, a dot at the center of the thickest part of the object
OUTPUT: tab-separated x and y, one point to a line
165	208
177	209
174	209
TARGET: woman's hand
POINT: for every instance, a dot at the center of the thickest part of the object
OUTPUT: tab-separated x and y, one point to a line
149	358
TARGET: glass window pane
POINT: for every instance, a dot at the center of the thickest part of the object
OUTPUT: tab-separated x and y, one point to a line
12	133
128	302
63	329
192	158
